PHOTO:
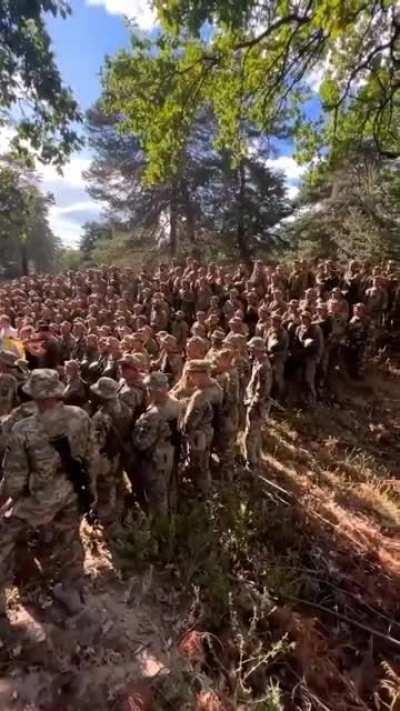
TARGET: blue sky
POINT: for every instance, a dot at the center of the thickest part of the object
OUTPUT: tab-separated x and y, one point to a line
98	28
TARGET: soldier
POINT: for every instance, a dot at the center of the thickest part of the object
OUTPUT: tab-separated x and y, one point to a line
358	337
76	390
277	343
227	427
8	382
111	426
180	330
170	361
257	401
217	339
47	482
198	421
311	341
132	391
154	439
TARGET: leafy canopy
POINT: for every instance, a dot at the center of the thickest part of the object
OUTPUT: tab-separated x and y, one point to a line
256	62
32	94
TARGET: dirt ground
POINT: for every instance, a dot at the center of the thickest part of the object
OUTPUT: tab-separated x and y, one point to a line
282	592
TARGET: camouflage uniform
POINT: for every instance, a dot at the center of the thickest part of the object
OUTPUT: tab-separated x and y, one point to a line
311	340
257	403
277	342
39	490
8	393
203	410
153	440
8	382
227	425
111	426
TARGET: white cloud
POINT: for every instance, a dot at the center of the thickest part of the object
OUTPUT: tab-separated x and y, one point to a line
288	166
80	206
71	175
292	191
139	10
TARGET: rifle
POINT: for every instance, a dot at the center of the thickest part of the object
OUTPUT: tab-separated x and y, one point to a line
77	473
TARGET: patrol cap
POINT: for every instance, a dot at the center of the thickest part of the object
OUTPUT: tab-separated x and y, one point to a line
131	360
157	381
197	366
105	388
44	384
235	339
257	344
142	360
8	358
168	340
218	335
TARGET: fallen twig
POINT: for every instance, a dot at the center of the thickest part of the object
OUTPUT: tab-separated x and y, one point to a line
387	638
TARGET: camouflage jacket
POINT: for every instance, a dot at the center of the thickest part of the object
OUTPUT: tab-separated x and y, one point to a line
34	476
156	427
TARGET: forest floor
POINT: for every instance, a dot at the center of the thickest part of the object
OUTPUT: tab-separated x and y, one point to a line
280	592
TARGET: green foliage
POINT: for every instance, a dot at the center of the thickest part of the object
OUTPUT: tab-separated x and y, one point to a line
200	207
350	209
94	234
29	78
25	234
69	259
256	63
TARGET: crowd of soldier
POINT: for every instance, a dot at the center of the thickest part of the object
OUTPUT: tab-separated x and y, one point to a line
131	383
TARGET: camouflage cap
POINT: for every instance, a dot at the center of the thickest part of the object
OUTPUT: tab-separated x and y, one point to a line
8	358
157	381
131	360
197	366
44	384
218	335
105	388
235	339
257	344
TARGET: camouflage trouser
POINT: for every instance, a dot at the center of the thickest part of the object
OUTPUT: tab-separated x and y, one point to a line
199	446
255	419
278	375
309	373
109	485
156	476
225	444
65	545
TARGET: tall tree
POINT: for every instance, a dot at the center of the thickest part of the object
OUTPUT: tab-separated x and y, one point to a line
200	199
352	210
29	77
256	63
25	235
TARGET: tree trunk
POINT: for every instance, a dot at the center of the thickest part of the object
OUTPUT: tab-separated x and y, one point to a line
190	220
242	242
24	258
173	221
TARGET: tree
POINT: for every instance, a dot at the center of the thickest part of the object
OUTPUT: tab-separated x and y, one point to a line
199	204
25	235
29	78
351	211
93	233
255	63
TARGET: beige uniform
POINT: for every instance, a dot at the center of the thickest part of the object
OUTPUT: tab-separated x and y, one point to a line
257	410
40	492
153	440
